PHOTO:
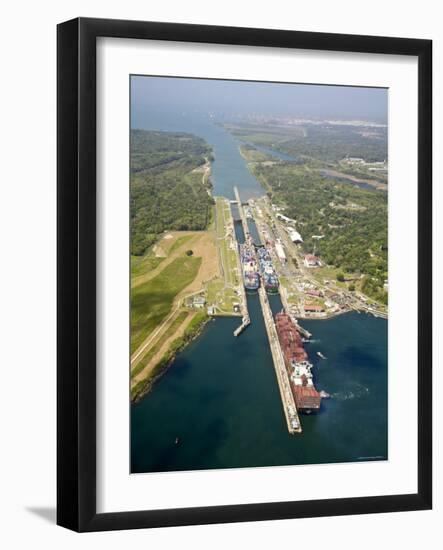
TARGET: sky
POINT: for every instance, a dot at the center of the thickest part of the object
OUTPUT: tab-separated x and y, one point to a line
224	97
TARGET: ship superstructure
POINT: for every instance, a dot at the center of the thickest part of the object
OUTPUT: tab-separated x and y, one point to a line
307	398
249	263
267	272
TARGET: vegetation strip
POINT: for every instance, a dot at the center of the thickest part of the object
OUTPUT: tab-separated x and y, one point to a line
151	351
152	301
192	331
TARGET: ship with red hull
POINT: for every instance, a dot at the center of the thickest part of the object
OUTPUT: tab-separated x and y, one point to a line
307	398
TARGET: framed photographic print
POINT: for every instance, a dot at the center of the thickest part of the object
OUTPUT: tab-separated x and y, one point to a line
244	274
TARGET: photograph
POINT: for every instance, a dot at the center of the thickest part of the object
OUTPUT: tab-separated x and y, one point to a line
232	331
258	274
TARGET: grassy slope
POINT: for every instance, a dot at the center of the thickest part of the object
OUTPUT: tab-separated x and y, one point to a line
228	256
181	316
142	264
178	242
152	301
192	330
217	291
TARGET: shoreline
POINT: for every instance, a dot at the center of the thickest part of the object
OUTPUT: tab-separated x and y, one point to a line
148	383
335	174
144	386
329	316
267	188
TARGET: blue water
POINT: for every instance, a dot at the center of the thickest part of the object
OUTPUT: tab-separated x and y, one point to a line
220	396
339	179
228	169
254	232
272	152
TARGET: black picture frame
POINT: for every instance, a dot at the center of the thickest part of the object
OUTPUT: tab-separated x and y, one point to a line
76	279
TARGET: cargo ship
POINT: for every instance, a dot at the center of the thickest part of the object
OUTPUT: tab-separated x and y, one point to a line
248	257
307	398
268	274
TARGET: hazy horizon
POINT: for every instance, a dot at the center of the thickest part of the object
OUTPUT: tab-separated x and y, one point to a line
244	98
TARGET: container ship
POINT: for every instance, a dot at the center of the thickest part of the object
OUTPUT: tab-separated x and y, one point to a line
307	398
248	259
269	276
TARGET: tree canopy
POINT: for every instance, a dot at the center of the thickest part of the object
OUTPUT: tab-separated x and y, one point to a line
166	192
343	224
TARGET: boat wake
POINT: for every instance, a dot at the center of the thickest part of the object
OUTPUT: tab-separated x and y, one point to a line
355	393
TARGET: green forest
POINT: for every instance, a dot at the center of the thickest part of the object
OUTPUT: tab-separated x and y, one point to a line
351	222
166	192
324	142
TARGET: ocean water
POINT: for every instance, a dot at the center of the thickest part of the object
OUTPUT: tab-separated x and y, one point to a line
220	396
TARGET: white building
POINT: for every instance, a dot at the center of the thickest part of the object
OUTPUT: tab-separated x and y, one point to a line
199	301
354	160
285	218
294	235
311	261
280	252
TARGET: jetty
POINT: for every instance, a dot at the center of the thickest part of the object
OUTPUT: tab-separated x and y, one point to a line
246	321
287	397
300	329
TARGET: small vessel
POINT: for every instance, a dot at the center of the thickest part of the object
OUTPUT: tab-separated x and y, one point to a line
177	440
324	394
320	354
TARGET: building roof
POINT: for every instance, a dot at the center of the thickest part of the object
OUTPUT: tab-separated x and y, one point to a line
310	258
295	235
313	307
280	251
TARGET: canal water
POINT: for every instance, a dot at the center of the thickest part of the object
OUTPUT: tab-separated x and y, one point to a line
227	170
271	152
220	396
254	232
340	179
